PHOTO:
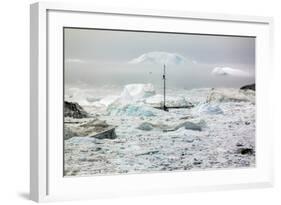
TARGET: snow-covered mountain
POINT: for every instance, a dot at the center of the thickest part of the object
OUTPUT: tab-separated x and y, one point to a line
159	57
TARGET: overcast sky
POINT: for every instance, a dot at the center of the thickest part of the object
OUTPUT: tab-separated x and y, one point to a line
95	58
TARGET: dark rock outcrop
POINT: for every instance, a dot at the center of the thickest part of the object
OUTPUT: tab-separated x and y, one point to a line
93	128
249	87
74	110
69	133
246	151
98	129
107	134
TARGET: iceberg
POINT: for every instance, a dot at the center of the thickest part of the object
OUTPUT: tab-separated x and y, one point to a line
224	71
82	96
211	109
136	110
135	92
131	93
146	126
188	125
157	101
106	101
230	95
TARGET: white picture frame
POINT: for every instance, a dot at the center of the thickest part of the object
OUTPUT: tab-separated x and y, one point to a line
46	179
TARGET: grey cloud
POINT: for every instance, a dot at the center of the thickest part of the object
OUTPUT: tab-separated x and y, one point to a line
99	57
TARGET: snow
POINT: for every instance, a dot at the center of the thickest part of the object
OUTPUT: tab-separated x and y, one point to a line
210	135
159	57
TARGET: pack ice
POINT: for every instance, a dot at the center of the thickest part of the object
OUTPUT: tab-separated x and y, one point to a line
218	132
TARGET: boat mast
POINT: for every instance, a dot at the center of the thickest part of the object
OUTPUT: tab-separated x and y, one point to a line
164	81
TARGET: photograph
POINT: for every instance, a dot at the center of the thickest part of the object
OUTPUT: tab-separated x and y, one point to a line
139	102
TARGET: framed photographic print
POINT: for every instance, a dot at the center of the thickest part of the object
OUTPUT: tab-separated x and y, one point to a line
127	102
